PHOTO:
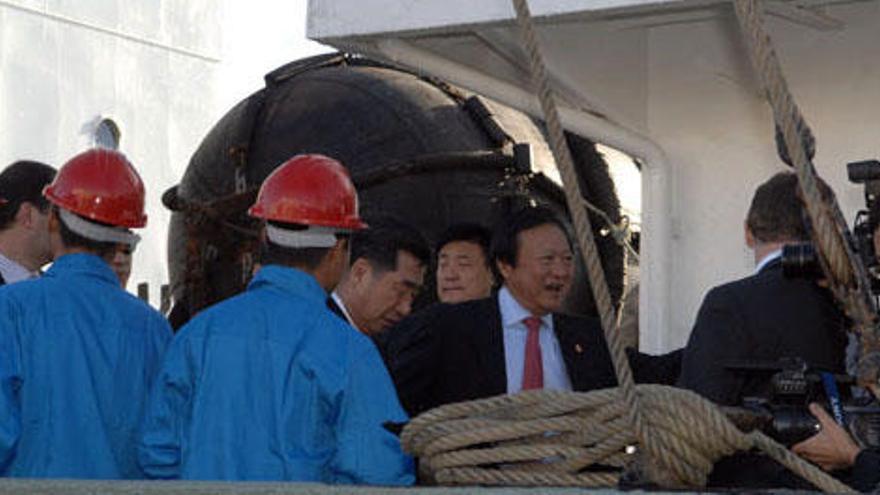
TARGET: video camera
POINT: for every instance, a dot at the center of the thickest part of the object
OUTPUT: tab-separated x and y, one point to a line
801	260
783	413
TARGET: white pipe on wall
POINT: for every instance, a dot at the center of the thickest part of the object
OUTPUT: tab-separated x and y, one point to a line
654	296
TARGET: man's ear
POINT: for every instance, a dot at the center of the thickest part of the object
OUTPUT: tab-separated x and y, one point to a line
360	270
504	269
54	222
25	214
751	242
338	255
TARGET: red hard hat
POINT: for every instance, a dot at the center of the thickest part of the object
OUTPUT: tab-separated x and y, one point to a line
309	190
101	185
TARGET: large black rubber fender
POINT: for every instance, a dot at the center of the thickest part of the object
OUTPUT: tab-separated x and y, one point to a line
416	148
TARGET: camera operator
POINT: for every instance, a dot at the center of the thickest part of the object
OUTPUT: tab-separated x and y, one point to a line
763	317
767	315
833	449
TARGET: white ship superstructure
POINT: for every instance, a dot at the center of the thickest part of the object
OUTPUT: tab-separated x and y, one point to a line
668	82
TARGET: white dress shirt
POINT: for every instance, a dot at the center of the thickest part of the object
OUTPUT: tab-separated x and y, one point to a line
338	301
767	259
515	333
13	272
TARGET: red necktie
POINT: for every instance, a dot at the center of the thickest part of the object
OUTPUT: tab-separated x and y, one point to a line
533	368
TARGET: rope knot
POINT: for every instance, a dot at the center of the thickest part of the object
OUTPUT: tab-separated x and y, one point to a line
540	438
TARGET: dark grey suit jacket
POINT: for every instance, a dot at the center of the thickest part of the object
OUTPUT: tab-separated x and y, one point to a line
761	318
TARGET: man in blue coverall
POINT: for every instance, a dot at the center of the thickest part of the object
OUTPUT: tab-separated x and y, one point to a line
77	353
270	385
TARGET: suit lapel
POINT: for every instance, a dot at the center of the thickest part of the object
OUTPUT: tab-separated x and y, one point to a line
584	352
568	342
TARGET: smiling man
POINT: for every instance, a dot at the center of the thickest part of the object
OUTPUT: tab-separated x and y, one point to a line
512	341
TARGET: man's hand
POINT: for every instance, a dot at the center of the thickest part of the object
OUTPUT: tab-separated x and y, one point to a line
832	448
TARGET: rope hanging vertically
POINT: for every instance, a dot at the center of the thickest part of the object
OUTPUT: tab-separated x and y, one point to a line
541	438
582	227
844	270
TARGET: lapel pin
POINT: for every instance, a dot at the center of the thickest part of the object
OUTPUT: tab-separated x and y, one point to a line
578	349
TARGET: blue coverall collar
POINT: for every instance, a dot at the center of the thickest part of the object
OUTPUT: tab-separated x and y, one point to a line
296	282
82	264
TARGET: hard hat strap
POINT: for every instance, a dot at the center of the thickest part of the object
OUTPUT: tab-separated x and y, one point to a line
312	237
97	232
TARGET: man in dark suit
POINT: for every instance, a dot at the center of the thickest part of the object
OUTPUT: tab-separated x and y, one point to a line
833	448
760	319
511	341
388	261
464	268
766	316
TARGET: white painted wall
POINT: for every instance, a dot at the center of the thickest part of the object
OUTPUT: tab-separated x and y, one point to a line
705	110
164	70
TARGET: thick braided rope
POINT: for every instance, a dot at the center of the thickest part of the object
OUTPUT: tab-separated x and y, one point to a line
792	124
687	463
541	438
581	222
797	465
847	274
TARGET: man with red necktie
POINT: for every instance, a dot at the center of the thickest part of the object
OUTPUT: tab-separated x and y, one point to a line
514	340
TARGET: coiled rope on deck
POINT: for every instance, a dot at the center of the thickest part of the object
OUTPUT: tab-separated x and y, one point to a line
549	438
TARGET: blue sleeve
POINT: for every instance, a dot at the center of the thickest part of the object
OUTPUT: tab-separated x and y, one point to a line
367	453
167	410
10	380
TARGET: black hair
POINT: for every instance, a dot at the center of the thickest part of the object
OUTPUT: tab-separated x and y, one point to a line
505	238
777	213
468	232
305	258
385	236
23	182
71	239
